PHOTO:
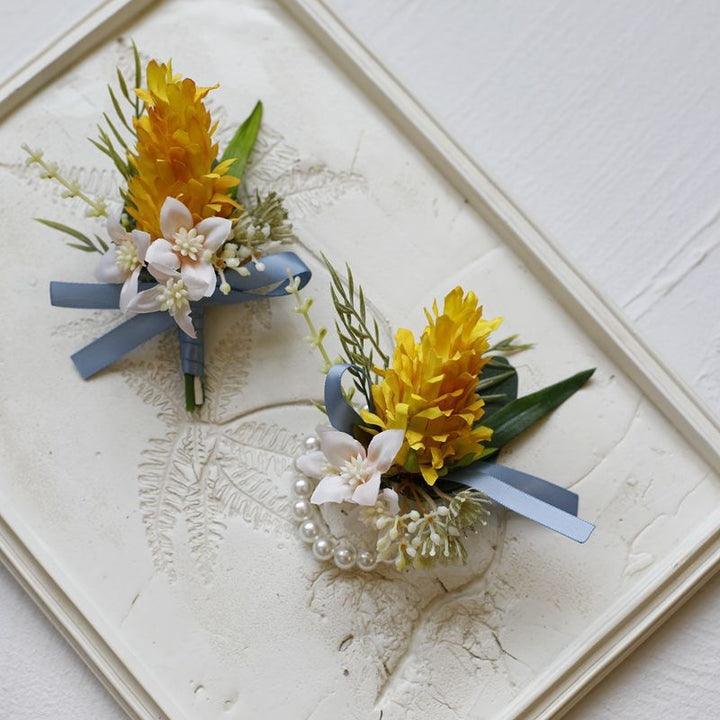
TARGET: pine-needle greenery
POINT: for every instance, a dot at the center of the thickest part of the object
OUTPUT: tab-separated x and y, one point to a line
359	337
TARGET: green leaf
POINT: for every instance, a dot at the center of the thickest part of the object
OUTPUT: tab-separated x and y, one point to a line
138	79
118	109
123	85
509	346
488	382
65	229
115	132
243	142
138	67
506	389
520	414
85	243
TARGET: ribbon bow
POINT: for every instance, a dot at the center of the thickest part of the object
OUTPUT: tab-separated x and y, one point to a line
104	351
534	498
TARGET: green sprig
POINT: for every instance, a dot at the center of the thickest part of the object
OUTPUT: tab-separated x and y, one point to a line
84	242
50	171
358	339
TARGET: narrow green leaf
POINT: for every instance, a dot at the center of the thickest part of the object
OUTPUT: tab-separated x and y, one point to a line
123	85
509	346
110	152
491	381
101	243
243	142
67	230
118	109
138	67
520	414
507	389
118	136
84	248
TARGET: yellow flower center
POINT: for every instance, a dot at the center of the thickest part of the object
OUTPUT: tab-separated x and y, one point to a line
188	243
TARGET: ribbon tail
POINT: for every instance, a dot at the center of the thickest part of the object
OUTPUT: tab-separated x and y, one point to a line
341	414
524	502
561	498
109	348
95	296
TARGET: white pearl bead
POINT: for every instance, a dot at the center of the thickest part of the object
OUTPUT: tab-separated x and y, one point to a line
345	556
322	548
309	531
366	560
301	509
302	487
311	444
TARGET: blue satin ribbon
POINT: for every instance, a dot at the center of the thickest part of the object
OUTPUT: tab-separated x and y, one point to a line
109	348
534	498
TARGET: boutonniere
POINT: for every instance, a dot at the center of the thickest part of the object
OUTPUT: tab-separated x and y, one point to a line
407	458
184	236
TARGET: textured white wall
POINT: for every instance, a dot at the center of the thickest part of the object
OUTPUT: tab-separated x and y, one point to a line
600	120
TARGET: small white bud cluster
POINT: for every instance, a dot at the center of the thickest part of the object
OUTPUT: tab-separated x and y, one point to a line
255	233
424	538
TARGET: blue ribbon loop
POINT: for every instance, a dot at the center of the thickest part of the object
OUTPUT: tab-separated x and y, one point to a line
109	348
534	498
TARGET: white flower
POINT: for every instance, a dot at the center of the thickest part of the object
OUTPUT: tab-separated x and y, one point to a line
187	248
347	472
181	262
123	260
171	295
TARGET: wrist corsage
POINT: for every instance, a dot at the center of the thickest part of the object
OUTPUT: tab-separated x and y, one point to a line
183	236
404	478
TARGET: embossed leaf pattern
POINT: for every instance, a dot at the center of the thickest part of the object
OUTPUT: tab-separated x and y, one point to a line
250	456
306	188
226	370
162	499
205	528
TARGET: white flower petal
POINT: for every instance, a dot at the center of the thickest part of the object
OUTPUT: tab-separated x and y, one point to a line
185	322
161	259
383	449
129	289
367	492
391	501
313	464
199	279
114	229
107	269
331	488
142	243
215	230
322	429
339	447
146	301
173	216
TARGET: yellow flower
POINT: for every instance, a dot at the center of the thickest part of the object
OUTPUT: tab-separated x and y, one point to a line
174	153
430	388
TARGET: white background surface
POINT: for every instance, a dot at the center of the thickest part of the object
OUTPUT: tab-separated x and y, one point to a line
601	121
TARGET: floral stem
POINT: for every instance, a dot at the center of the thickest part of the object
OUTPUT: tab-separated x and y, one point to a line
316	335
96	207
190	405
